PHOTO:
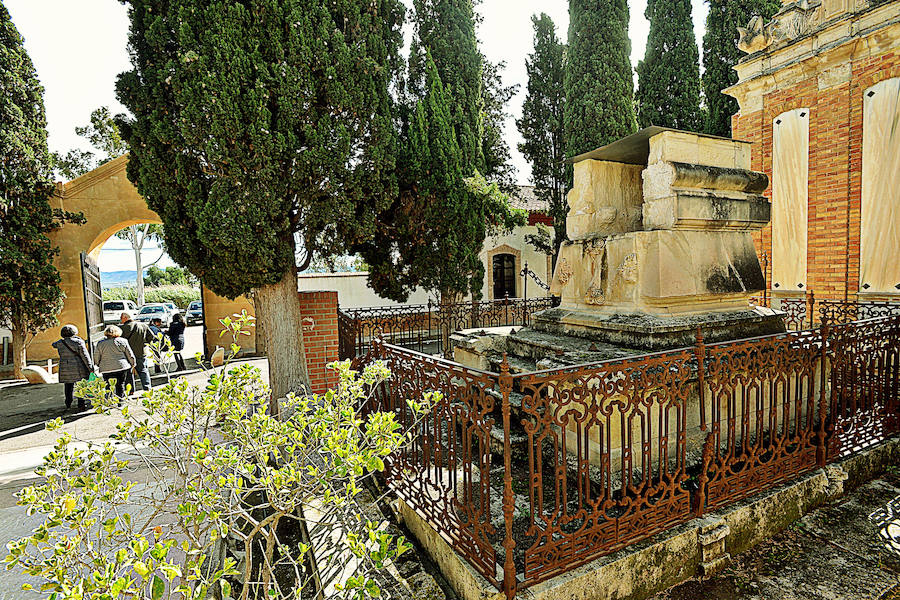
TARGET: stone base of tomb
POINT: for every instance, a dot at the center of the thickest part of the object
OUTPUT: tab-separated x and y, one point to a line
656	332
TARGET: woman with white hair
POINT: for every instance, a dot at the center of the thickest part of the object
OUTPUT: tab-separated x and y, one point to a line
115	358
75	363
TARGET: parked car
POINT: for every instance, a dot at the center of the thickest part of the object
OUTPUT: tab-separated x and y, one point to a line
149	312
195	312
113	309
172	307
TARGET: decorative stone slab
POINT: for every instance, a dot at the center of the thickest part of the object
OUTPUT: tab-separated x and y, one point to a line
36	374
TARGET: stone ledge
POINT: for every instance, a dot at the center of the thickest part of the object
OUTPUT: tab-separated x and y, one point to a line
658	332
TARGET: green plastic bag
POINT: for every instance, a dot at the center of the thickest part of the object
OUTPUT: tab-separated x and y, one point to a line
92	377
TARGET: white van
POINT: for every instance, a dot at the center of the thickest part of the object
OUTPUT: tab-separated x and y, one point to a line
113	309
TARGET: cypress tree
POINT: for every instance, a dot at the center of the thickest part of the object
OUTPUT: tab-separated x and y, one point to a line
495	98
668	91
720	55
30	296
599	85
433	234
257	121
445	29
541	124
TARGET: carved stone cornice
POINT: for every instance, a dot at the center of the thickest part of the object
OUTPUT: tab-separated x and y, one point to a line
806	39
91	178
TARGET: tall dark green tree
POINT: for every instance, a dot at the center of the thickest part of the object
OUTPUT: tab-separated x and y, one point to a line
495	100
599	84
30	296
668	91
542	121
257	121
445	29
432	235
720	54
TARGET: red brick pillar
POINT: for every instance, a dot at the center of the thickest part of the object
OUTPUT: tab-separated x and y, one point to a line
320	335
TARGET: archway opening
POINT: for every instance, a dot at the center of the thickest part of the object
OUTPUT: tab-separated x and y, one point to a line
503	267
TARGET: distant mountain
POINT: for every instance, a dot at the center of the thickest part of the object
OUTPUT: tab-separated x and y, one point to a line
111	279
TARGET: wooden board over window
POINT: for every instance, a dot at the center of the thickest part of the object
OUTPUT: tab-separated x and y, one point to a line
790	200
879	268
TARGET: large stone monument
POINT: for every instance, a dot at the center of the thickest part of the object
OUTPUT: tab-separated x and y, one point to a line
660	243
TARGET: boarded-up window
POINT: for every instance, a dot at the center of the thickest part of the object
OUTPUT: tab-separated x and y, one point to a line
790	195
879	267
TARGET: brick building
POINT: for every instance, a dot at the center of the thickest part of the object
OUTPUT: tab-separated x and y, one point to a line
819	95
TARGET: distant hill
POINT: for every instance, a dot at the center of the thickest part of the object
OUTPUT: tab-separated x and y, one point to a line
111	279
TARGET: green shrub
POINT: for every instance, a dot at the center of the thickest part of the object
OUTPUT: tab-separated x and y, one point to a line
181	295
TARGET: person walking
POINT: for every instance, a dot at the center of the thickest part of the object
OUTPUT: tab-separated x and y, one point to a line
115	359
176	335
156	328
75	363
137	334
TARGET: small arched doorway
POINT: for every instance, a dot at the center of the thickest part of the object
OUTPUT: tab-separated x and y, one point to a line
503	271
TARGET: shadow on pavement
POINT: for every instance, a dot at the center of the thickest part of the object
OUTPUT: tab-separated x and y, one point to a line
26	408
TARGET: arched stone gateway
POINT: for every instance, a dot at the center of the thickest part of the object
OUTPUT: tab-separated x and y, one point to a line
109	202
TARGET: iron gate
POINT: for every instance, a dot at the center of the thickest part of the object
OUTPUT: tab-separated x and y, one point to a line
93	301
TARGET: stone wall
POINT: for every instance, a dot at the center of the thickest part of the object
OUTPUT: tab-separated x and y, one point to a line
822	56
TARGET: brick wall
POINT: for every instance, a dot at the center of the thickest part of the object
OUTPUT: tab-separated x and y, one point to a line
835	167
320	335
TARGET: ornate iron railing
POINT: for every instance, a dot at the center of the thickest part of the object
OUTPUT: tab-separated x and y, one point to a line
427	327
531	475
806	311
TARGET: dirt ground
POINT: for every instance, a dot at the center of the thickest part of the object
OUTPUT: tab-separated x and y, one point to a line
833	553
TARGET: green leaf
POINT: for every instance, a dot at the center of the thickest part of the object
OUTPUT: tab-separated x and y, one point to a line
157	588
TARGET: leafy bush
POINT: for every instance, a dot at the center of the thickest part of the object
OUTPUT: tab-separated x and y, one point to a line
181	295
222	482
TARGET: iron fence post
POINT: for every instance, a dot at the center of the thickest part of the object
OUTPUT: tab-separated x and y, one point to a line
509	500
821	450
524	275
524	294
812	308
506	308
700	351
765	278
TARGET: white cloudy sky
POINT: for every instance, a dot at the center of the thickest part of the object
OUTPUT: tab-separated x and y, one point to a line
79	46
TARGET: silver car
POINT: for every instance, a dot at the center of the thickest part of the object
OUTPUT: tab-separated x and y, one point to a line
195	312
149	312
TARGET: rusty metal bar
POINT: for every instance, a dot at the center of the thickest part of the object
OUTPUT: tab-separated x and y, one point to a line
509	543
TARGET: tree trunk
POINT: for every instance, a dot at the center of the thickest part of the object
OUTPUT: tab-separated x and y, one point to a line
278	313
140	274
18	350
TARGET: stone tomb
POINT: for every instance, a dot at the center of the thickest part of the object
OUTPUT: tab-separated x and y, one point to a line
660	226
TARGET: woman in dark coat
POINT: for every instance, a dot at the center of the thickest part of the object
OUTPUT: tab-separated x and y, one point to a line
176	335
75	363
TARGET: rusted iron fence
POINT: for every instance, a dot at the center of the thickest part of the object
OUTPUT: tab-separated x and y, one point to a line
806	311
427	327
530	475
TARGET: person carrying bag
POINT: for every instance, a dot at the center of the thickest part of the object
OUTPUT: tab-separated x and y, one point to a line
74	362
115	359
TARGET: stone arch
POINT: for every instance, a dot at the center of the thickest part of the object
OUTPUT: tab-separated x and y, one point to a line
109	202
